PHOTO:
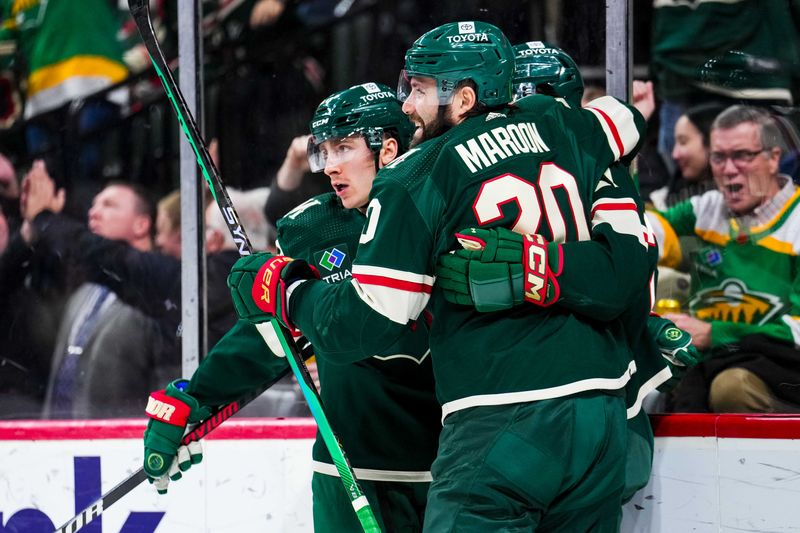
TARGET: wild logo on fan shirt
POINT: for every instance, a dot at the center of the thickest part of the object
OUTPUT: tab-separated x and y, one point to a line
732	301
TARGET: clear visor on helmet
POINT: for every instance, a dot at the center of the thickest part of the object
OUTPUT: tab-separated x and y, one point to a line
424	90
544	71
335	149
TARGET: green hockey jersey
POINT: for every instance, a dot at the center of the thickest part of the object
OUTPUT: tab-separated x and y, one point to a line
651	368
538	167
383	408
70	48
745	280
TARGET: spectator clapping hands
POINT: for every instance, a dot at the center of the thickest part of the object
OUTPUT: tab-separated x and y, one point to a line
39	193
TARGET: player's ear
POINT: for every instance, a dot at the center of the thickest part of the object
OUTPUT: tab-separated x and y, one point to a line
389	151
464	100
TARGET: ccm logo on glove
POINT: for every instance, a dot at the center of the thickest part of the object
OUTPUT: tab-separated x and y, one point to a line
535	252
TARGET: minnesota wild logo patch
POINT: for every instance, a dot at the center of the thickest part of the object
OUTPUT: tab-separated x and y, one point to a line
733	301
334	263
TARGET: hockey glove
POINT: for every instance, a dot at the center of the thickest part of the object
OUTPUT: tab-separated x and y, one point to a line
170	411
258	285
497	269
674	343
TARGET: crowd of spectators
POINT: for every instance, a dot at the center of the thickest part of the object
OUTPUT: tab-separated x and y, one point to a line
90	247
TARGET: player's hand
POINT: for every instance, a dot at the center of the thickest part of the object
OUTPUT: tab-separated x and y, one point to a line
497	269
674	343
259	282
487	274
170	411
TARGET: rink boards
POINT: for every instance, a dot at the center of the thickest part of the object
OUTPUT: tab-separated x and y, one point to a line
712	473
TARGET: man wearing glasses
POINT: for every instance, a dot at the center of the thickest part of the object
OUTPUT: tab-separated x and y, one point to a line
744	310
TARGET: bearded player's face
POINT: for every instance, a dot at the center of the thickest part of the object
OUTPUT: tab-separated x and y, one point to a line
423	108
350	165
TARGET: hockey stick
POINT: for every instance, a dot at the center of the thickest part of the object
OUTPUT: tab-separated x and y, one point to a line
140	10
141	14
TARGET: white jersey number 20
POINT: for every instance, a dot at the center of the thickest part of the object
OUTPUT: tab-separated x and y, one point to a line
501	190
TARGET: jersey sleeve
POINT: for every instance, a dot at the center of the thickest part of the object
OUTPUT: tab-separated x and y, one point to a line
607	129
602	277
391	284
239	364
668	227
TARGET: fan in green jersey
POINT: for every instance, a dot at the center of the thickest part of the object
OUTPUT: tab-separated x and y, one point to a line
744	305
551	393
383	408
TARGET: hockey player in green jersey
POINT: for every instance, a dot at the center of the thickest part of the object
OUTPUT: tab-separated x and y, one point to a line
534	429
744	310
383	408
542	68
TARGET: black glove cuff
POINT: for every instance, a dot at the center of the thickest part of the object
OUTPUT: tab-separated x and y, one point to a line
298	270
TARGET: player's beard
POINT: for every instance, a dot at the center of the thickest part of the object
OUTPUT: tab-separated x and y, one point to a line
434	128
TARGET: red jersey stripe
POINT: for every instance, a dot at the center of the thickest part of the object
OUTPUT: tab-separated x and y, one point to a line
613	128
614	206
383	281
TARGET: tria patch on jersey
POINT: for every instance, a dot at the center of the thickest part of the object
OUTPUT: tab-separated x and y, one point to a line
733	301
331	259
334	263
